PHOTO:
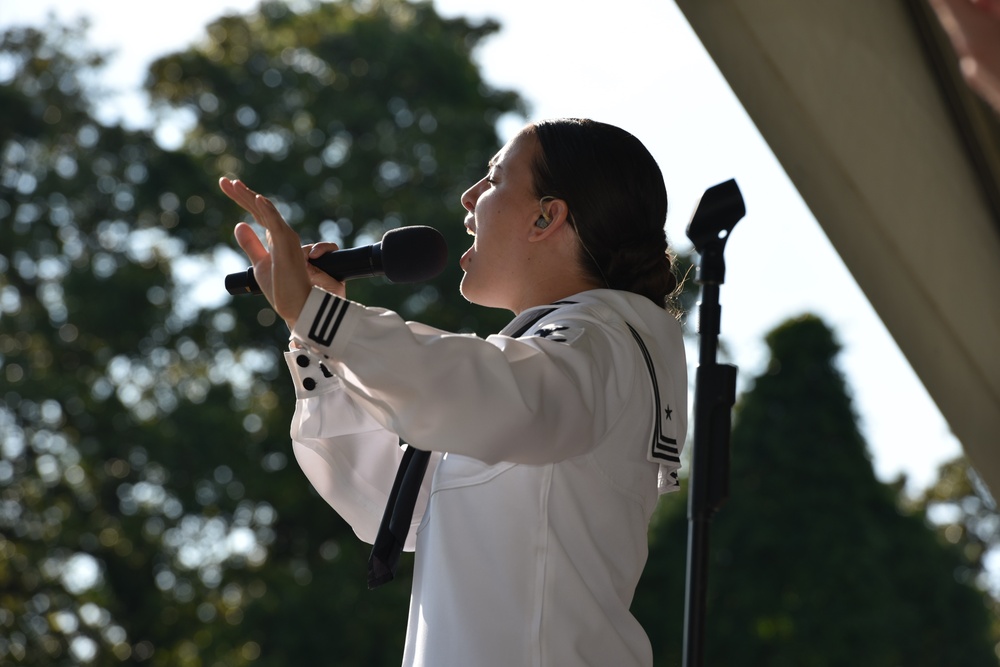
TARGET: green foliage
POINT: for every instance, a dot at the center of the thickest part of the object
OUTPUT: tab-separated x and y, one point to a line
813	562
356	122
149	512
964	515
968	515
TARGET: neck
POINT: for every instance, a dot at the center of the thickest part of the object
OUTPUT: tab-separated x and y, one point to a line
551	286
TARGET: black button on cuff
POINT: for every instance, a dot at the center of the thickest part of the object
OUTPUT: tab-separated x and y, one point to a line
309	384
302	360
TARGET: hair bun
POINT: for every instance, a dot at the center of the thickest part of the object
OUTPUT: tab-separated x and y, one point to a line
644	269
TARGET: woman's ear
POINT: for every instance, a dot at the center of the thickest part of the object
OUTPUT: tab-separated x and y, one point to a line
553	215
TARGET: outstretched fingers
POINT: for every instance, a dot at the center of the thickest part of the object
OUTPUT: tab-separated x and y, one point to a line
289	279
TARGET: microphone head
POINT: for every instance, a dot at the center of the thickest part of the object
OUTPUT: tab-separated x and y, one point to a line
413	254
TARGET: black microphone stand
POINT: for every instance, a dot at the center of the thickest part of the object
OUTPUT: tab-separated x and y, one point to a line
718	211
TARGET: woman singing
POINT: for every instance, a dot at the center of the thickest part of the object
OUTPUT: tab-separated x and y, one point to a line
549	442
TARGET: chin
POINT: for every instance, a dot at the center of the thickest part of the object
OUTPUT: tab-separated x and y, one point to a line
478	294
468	290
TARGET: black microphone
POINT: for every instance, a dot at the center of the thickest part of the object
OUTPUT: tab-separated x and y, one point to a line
404	255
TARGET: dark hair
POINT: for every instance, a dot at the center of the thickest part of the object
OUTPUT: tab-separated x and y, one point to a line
617	201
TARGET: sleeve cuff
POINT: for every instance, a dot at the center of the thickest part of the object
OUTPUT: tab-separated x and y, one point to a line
309	375
325	324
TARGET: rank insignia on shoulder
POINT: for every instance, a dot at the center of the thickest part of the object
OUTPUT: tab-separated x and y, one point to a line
560	333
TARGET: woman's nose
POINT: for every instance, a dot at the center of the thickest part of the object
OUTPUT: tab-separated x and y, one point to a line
470	196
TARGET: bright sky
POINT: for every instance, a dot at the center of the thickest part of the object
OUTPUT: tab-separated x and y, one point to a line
635	64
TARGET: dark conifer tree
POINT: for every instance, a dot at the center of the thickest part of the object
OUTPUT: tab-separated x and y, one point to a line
813	562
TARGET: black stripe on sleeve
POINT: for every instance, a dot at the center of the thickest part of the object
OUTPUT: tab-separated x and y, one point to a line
328	318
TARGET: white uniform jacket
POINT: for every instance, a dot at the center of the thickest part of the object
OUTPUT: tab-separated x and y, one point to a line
550	451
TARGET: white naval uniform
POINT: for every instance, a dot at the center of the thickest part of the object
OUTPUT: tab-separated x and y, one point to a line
550	451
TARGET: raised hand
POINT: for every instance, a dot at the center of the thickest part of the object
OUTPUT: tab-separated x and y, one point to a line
282	270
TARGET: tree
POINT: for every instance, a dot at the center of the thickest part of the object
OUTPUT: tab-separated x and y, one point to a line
148	511
356	121
963	513
813	562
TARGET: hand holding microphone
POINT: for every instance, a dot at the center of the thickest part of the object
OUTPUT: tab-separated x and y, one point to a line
282	274
404	255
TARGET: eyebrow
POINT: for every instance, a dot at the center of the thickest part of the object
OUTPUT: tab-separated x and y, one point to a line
493	163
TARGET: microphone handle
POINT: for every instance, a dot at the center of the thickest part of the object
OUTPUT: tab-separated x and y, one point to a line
363	262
